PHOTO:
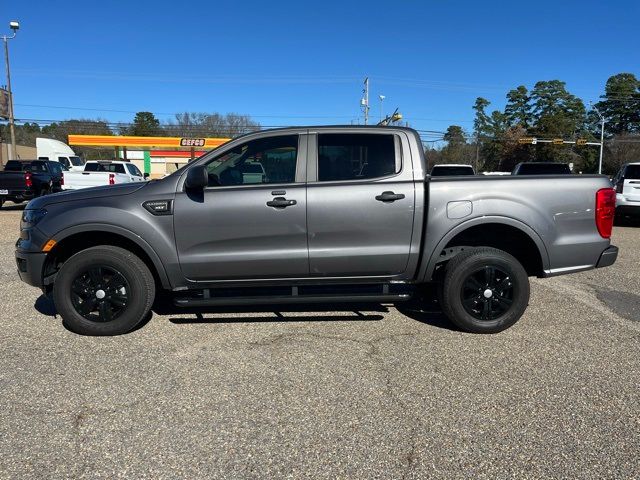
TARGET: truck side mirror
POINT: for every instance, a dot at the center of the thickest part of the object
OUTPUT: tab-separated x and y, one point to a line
145	175
197	178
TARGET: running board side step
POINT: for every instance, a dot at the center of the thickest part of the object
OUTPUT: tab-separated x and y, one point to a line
294	295
265	300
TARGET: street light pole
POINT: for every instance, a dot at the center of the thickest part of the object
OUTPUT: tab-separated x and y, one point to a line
601	144
601	137
381	97
14	26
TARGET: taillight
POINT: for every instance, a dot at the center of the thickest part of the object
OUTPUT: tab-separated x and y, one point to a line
27	180
112	179
620	185
61	179
605	211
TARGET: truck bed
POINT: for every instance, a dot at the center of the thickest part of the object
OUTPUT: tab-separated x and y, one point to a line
556	211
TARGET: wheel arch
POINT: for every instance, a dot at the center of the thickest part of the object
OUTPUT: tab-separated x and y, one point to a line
75	239
504	233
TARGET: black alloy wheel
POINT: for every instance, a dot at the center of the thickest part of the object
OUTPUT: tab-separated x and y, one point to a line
100	294
487	293
103	290
484	290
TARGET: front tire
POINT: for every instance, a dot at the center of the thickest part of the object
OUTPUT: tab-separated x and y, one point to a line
103	290
485	290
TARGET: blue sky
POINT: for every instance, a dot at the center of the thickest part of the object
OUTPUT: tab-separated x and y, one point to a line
288	62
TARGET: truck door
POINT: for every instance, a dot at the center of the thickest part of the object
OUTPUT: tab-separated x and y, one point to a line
360	205
250	222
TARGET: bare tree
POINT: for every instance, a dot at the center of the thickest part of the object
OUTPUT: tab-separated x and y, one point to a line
200	124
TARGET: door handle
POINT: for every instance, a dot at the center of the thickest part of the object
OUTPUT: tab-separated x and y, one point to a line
389	197
280	202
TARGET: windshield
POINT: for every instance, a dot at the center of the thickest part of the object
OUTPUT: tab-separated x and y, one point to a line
76	161
632	172
543	169
441	171
104	167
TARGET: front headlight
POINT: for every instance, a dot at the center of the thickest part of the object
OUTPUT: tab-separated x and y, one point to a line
32	217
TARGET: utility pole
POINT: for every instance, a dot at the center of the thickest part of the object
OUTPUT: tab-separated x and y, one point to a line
14	26
365	100
602	121
381	97
477	151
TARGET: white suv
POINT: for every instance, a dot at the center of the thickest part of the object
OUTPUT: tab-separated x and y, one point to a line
627	185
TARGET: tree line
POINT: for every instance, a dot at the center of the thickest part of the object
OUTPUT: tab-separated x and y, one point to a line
548	110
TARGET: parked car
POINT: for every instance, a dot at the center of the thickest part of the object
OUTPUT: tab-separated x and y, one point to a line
541	168
23	180
56	151
445	170
103	172
627	185
343	214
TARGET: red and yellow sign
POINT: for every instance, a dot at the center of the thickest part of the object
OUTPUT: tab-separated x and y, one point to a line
131	141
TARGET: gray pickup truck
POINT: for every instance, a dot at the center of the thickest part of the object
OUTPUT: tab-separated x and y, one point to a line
337	214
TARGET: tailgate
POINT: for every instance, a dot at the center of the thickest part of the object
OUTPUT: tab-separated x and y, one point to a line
85	179
11	181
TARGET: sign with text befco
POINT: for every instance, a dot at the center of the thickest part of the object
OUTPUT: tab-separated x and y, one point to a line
192	142
4	103
142	142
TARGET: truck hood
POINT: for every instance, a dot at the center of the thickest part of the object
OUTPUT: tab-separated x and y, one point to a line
86	194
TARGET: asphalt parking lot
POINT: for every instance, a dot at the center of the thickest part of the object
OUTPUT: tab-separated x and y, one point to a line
372	393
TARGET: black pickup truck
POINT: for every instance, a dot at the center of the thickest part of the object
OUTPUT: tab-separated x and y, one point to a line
22	180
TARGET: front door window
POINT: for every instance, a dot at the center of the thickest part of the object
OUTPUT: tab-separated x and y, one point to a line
263	161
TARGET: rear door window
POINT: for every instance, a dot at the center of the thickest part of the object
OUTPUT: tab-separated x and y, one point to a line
56	168
357	156
40	167
265	160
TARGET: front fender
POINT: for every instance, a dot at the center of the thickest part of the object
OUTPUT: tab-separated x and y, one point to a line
123	232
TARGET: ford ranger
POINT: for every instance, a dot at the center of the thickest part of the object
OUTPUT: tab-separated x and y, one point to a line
337	214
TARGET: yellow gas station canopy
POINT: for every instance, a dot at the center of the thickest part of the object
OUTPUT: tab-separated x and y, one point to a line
131	141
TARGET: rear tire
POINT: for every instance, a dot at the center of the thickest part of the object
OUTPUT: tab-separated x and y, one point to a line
103	290
485	290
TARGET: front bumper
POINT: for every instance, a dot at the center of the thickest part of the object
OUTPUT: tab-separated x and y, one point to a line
30	267
608	257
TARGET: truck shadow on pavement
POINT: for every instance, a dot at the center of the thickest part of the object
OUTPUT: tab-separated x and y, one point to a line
283	313
428	314
13	207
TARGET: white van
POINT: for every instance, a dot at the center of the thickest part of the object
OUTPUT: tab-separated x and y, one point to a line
56	151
